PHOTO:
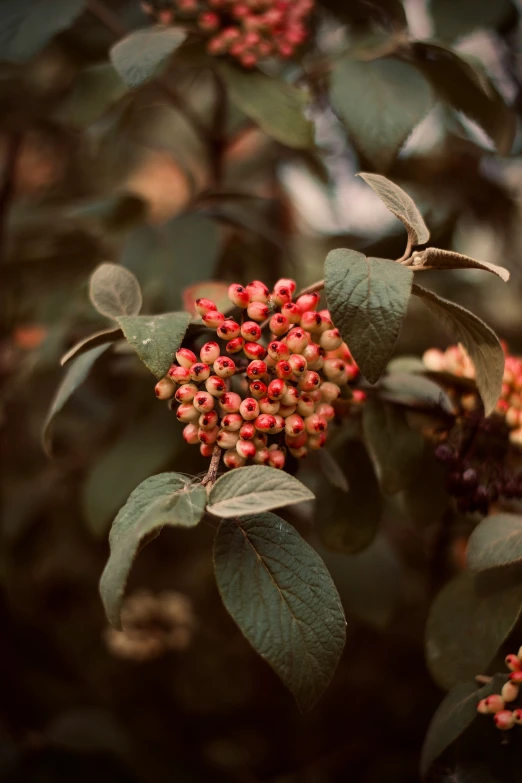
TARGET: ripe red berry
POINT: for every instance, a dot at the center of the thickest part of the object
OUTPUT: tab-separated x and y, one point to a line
257	311
230	402
307	302
504	720
199	372
257	389
238	295
245	449
326	410
278	426
258	291
186	358
294	424
254	351
282	295
513	663
265	422
178	374
203	306
297	441
186	392
251	331
203	402
315	423
276	459
235	345
311	321
298	363
297	340
190	434
279	324
266	405
232	422
213	318
249	409
232	459
224	367
165	389
276	389
247	431
516	677
292	312
215	385
207	421
228	329
286	282
209	352
206	449
313	354
208	437
317	441
256	369
309	381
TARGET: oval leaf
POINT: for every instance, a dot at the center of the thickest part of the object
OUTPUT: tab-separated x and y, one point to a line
165	499
368	299
413	390
26	26
478	339
401	98
115	291
142	54
92	341
274	105
255	488
279	592
468	622
401	205
75	375
434	258
453	716
155	338
495	542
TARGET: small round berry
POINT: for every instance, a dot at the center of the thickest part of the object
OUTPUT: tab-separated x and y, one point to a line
309	381
213	319
265	422
249	409
260	439
298	363
326	325
266	405
230	402
227	439
278	426
208	437
245	449
224	367
331	340
232	422
291	396
299	453
510	691
308	302
204	306
470	478
239	296
209	352
278	350
251	331
254	351
165	389
186	393
276	459
286	282
199	372
326	410
206	449
315	423
296	441
294	424
314	356
262	456
329	391
292	312
203	402
235	345
305	405
215	385
257	311
516	677
232	459
517	716
178	374
187	412
276	389
258	389
228	329
358	396
258	292
287	410
208	21
297	340
186	358
282	295
335	370
504	720
284	369
316	442
311	321
247	431
207	421
256	369
190	434
279	324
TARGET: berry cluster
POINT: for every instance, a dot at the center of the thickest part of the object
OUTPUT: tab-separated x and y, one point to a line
496	703
265	400
456	361
246	30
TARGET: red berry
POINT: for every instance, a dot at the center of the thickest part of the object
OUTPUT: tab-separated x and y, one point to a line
256	369
251	331
284	369
296	441
228	329
230	402
294	424
186	393
265	422
258	291
513	663
237	294
215	385
247	431
209	352
208	21
199	372
232	459
213	318
235	345
279	324
232	422
224	367
227	439
276	459
190	434
317	441
257	389
207	421
278	426
282	295
165	389
187	412
309	381
276	389
203	402
292	312
254	351
186	358
504	720
203	306
257	311
178	374
278	350
262	456
206	449
307	302
249	409
208	437
297	340
266	405
291	396
315	423
298	363
245	449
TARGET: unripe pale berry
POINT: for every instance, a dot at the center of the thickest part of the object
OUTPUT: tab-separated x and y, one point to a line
186	392
235	345
307	302
326	410
287	410
190	434
513	663
291	396
260	439
207	421
213	318
209	352
232	422
232	459
334	369
186	358
315	423
294	424
331	340
206	449
257	311
256	369
229	329
203	306
251	331
203	402
179	374
279	324
278	426
298	363
494	703
165	389
329	391
309	381
262	456
230	402
265	422
509	691
245	449
311	321
292	312
199	372
249	409
326	325
254	351
258	292
276	389
266	405
316	442
297	340
208	437
257	389
187	412
296	441
278	350
299	453
276	459
227	439
238	295
504	720
224	367
284	370
215	385
247	431
313	354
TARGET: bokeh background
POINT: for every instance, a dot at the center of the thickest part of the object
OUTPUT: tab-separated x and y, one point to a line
94	172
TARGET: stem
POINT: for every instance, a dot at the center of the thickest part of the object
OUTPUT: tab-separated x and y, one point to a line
213	468
405	258
483	679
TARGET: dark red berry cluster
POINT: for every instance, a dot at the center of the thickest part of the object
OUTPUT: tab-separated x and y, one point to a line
495	704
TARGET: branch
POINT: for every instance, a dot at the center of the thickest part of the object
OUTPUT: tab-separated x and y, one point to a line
483	679
213	468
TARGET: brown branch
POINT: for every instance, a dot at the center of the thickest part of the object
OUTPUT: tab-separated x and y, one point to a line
483	679
213	468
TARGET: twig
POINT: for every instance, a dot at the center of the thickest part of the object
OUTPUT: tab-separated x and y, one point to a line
405	258
14	143
213	468
483	679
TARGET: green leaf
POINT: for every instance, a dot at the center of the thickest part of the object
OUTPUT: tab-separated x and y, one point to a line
26	26
75	375
454	715
468	622
274	105
400	98
495	542
479	340
114	291
279	592
468	90
396	449
332	470
155	338
92	341
144	53
255	488
166	499
402	206
368	299
96	90
434	258
413	390
453	20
